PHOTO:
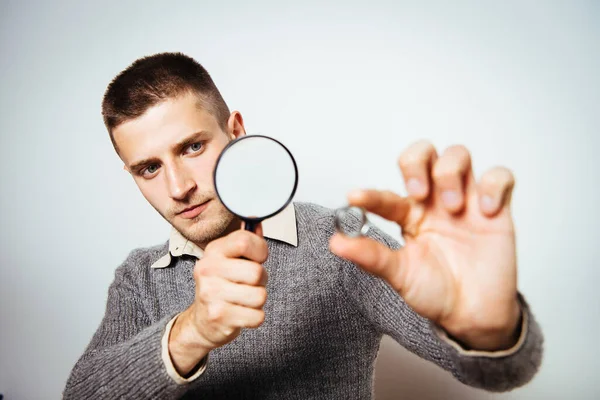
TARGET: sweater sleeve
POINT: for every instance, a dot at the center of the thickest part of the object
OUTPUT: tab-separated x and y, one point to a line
387	312
123	358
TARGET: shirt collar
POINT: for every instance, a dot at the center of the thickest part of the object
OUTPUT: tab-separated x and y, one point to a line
279	227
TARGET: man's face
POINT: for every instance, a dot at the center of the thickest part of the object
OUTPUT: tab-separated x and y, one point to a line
171	152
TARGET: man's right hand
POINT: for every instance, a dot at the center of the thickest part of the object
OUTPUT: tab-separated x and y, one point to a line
230	294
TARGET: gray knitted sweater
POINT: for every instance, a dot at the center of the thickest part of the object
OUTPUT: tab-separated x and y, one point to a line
324	320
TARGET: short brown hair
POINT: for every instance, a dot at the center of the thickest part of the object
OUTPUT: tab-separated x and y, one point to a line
156	78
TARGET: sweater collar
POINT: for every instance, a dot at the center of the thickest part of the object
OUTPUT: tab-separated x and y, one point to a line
280	227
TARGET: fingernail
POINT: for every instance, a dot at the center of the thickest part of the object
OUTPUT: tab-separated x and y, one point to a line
450	197
415	186
355	193
487	203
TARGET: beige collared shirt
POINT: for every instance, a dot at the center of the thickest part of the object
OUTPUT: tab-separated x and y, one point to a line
281	227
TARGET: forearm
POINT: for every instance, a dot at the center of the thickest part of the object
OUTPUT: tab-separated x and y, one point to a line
185	351
130	369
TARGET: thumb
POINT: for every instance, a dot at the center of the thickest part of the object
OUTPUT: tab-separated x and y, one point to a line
370	255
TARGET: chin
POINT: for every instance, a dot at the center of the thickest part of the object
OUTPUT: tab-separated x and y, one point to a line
205	229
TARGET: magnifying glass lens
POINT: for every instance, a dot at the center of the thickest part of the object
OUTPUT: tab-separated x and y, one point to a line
255	177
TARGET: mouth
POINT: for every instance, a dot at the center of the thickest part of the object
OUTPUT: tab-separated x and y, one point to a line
193	211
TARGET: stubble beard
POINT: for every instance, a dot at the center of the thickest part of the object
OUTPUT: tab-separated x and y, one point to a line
208	228
215	222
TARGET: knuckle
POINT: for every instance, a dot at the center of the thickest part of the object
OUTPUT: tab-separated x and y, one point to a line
256	273
228	330
215	312
498	177
201	269
454	163
443	170
507	174
406	160
258	320
211	247
243	244
261	297
197	273
388	194
458	150
208	290
264	251
417	154
422	146
203	293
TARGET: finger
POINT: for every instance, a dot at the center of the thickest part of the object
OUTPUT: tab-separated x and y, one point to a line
234	315
451	175
386	204
235	293
259	230
495	190
371	255
245	317
415	163
235	270
240	243
244	295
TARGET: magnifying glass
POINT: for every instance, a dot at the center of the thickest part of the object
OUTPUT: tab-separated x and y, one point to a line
255	178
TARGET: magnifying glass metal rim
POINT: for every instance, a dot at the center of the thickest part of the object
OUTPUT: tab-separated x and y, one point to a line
291	196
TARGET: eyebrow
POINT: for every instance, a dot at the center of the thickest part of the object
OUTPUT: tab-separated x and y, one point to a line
193	138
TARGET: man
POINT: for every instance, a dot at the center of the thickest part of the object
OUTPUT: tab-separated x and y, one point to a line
295	311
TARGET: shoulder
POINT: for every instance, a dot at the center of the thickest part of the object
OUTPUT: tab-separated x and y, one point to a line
310	212
314	220
138	260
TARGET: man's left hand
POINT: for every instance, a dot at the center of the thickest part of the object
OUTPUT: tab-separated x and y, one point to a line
458	267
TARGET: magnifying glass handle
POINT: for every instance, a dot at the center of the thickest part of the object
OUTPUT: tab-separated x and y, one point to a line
250	225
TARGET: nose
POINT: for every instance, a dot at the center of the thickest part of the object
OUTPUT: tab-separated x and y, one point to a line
180	182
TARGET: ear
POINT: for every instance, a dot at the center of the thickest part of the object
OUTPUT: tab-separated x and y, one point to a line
235	125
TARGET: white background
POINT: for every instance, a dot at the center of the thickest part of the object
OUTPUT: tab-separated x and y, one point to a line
347	86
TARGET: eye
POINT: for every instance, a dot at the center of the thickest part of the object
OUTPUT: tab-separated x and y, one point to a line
152	168
196	147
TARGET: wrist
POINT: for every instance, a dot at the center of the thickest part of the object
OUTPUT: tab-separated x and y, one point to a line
500	336
186	347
